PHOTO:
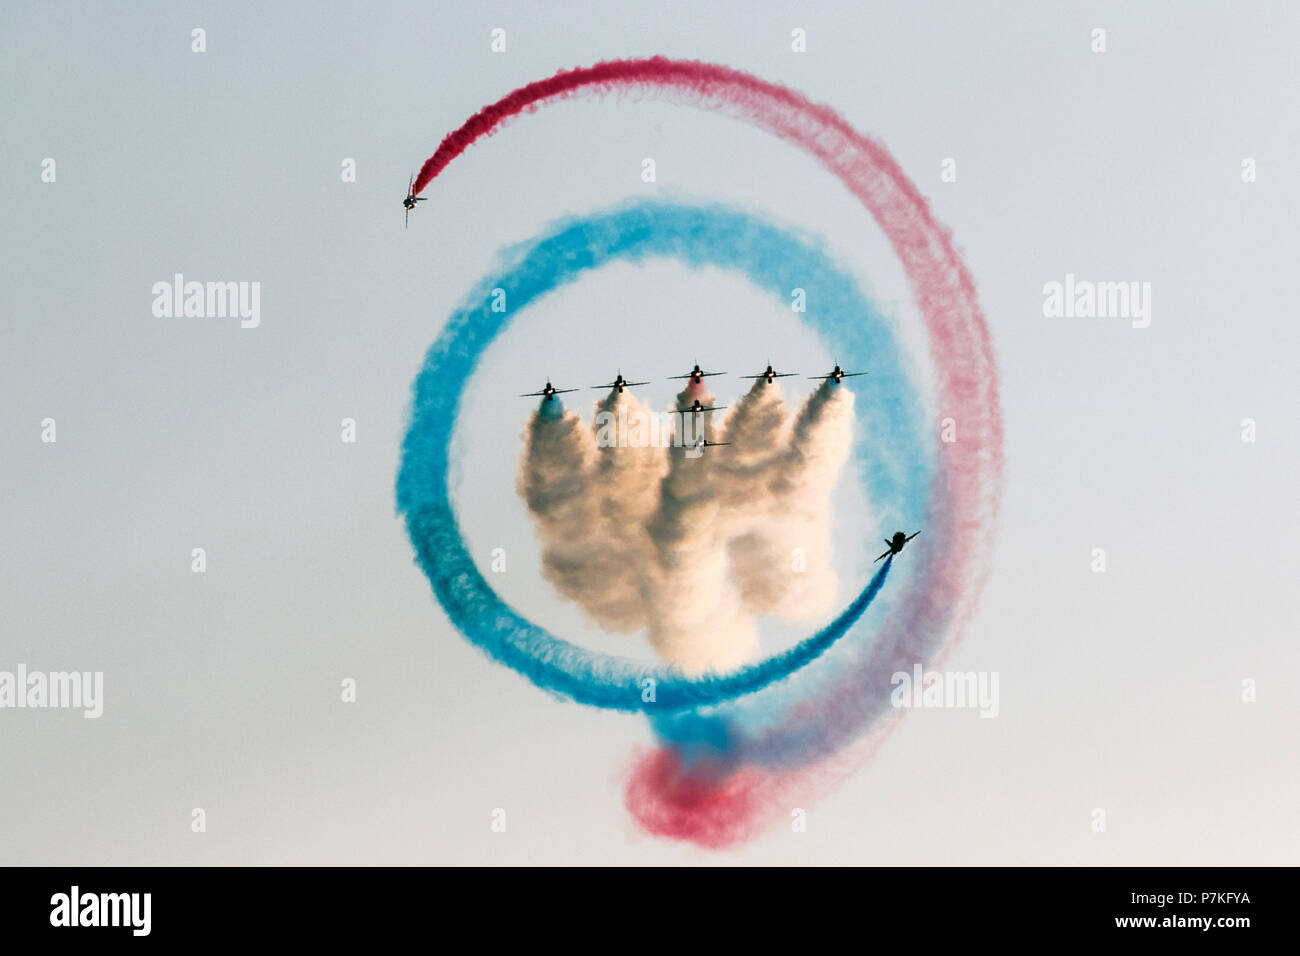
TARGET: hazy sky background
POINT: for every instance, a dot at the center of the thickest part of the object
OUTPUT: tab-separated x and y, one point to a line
1118	690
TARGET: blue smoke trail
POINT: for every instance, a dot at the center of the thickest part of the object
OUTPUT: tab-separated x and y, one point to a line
894	460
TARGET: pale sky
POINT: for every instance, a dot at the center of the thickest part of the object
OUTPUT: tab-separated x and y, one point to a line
1119	691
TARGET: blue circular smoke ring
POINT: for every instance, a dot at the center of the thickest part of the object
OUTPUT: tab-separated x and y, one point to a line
894	463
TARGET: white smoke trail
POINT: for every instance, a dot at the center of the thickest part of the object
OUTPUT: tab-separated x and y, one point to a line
698	621
779	499
628	494
557	482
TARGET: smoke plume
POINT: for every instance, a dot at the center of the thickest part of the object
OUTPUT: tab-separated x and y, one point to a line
645	530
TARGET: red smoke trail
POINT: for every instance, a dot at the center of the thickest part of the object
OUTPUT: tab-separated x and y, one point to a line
964	498
704	79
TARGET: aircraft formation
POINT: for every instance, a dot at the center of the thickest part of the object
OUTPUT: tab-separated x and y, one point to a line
696	376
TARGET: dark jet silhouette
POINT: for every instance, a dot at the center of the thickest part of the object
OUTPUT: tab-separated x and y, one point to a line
696	374
838	374
620	383
550	391
411	199
896	543
769	375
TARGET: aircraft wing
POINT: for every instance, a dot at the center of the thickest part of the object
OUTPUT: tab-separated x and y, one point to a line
885	555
